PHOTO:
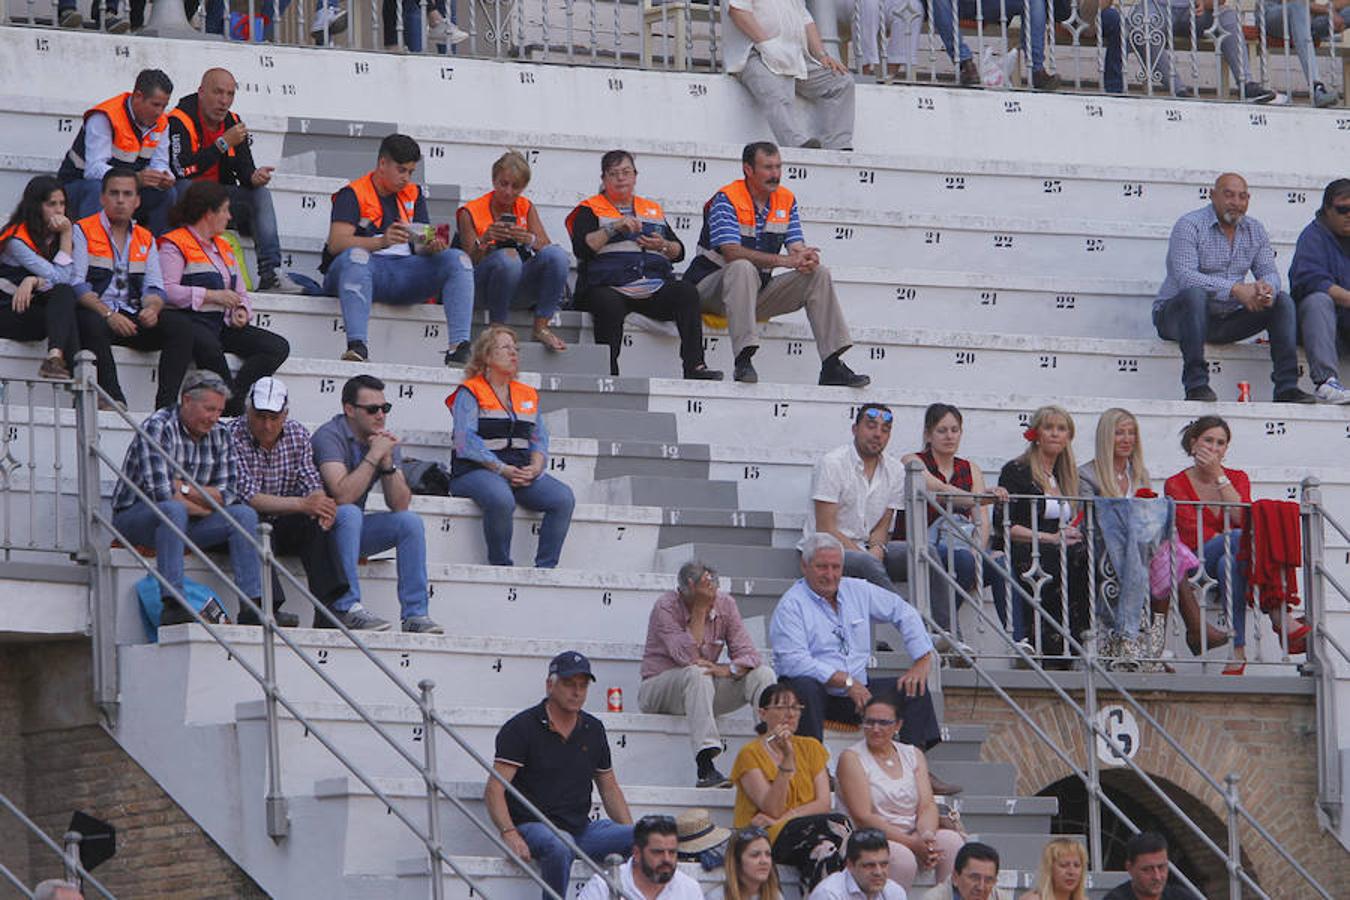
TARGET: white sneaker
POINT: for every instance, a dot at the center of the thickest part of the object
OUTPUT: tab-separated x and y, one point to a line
334	19
1332	391
443	31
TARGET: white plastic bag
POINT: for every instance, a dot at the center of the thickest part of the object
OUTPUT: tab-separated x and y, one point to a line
996	70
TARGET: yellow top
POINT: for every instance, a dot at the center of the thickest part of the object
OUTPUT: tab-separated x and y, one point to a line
811	759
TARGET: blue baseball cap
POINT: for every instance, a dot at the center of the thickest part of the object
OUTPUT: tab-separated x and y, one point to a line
569	663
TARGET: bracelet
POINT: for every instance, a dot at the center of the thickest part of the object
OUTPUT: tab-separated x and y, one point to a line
385	473
112	311
506	831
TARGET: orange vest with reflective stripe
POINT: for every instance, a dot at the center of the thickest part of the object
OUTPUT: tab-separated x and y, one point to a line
198	270
102	259
776	223
505	432
480	211
622	261
372	211
129	149
10	276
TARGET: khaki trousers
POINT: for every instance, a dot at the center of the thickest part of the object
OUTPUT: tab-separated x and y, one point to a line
693	693
734	292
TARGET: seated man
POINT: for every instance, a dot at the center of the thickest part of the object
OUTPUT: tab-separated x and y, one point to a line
1146	864
866	874
974	877
746	225
353	451
688	629
278	479
552	753
379	249
651	871
208	141
776	52
1205	297
190	433
120	289
821	637
129	131
1319	279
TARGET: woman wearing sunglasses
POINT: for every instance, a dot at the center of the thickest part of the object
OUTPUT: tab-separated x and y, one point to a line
750	872
884	785
501	450
782	787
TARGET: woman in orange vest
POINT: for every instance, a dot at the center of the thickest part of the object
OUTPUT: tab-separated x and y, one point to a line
514	265
501	450
202	278
36	299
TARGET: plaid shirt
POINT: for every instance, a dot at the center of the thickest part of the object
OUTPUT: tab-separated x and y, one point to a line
287	470
1200	255
210	461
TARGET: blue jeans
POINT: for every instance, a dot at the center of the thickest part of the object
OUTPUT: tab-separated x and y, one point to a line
495	496
1300	31
597	840
502	282
402	281
261	219
963	569
1227	569
356	534
141	526
1186	319
412	24
1033	20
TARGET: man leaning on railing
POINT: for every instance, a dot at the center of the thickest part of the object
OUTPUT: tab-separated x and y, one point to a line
190	433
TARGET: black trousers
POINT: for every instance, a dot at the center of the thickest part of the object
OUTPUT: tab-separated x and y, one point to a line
51	315
262	353
1053	593
299	535
173	336
676	302
920	726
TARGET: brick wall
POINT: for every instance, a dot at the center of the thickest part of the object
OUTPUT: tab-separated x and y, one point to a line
1266	739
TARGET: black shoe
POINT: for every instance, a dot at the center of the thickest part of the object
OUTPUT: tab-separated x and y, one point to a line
173	613
836	373
458	356
1042	80
702	373
284	619
1204	394
356	351
970	74
711	778
1295	395
745	370
1257	93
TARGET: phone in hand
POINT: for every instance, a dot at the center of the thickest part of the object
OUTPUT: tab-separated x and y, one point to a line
653	229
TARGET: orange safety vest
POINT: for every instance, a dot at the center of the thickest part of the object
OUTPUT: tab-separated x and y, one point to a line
11	275
372	211
194	137
198	270
622	261
480	211
102	259
505	432
776	224
130	149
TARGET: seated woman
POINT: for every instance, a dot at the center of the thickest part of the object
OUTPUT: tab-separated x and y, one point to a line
1041	529
625	249
1117	470
884	785
1063	872
201	277
749	871
514	265
950	474
36	299
1215	532
782	786
501	450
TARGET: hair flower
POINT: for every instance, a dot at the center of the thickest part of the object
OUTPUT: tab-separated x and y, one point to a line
1031	434
1146	493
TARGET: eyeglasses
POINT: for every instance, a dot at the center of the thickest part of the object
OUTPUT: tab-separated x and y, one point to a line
884	415
373	408
879	723
621	173
1342	210
841	636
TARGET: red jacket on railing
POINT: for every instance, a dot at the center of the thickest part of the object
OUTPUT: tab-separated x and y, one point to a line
1274	547
1179	487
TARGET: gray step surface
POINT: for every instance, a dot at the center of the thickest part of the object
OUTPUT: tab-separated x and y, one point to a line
767	562
612	424
667	490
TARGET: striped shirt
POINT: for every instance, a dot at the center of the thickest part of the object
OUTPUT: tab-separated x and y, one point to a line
287	470
210	461
1199	255
724	228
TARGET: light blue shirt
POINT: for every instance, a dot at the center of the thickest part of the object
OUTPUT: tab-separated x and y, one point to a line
98	145
118	300
811	639
1199	255
54	271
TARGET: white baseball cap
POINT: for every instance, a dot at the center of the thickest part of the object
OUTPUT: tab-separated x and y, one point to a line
268	395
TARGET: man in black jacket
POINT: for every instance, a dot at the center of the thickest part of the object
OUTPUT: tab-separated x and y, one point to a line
206	140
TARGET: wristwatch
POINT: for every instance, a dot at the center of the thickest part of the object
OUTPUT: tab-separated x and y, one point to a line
221	145
185	490
848	683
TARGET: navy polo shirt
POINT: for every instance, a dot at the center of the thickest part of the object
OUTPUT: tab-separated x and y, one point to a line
555	774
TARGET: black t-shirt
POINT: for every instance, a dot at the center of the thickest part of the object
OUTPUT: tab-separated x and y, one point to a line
1170	892
556	775
347	209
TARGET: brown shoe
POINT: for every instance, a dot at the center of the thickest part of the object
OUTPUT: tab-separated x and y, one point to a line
1042	80
942	788
54	369
970	73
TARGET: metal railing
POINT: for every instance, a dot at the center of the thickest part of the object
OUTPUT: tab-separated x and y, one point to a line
37	498
923	564
1141	46
98	531
72	871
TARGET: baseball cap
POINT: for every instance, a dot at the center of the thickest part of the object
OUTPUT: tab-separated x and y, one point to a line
268	395
569	663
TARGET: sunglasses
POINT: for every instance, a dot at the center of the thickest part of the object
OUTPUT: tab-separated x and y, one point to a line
1342	210
882	414
749	833
656	819
373	408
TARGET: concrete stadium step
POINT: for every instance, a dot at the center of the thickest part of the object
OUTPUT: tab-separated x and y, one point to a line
747	562
648	490
611	424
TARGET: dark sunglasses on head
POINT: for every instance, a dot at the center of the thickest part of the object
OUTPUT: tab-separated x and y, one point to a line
884	415
656	819
373	408
750	833
1341	210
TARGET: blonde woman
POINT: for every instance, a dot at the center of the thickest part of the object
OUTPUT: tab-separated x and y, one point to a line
750	871
1063	872
1041	480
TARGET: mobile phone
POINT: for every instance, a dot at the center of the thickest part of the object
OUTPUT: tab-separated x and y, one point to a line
507	219
652	229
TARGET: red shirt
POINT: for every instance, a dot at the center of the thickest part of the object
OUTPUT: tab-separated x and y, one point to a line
209	137
1179	487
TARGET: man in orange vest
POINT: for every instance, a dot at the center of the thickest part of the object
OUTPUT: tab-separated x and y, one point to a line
129	131
746	226
381	248
208	141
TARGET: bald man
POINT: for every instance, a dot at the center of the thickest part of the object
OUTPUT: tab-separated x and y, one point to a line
1207	297
207	141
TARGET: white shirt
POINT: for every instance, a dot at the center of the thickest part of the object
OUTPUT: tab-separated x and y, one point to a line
842	886
98	146
681	887
839	478
784	22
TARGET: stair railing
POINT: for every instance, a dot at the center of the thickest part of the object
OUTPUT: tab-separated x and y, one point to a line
70	862
97	526
923	564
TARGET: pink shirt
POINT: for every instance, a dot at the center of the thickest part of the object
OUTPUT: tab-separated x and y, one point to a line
671	646
184	296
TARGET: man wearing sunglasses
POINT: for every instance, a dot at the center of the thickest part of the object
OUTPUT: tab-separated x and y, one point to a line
1319	279
354	450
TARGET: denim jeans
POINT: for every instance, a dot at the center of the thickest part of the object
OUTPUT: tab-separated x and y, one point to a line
597	840
1232	46
402	281
142	527
356	533
1033	20
412	23
502	282
963	569
1186	319
260	218
1227	569
883	573
498	499
1320	323
1300	31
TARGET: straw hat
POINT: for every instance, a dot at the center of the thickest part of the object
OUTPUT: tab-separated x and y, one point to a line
697	832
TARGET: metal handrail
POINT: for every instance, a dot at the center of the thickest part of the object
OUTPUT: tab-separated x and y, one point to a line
87	391
70	861
918	501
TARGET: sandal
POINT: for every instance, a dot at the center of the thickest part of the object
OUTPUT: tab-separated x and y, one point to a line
1235	667
545	336
1298	633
